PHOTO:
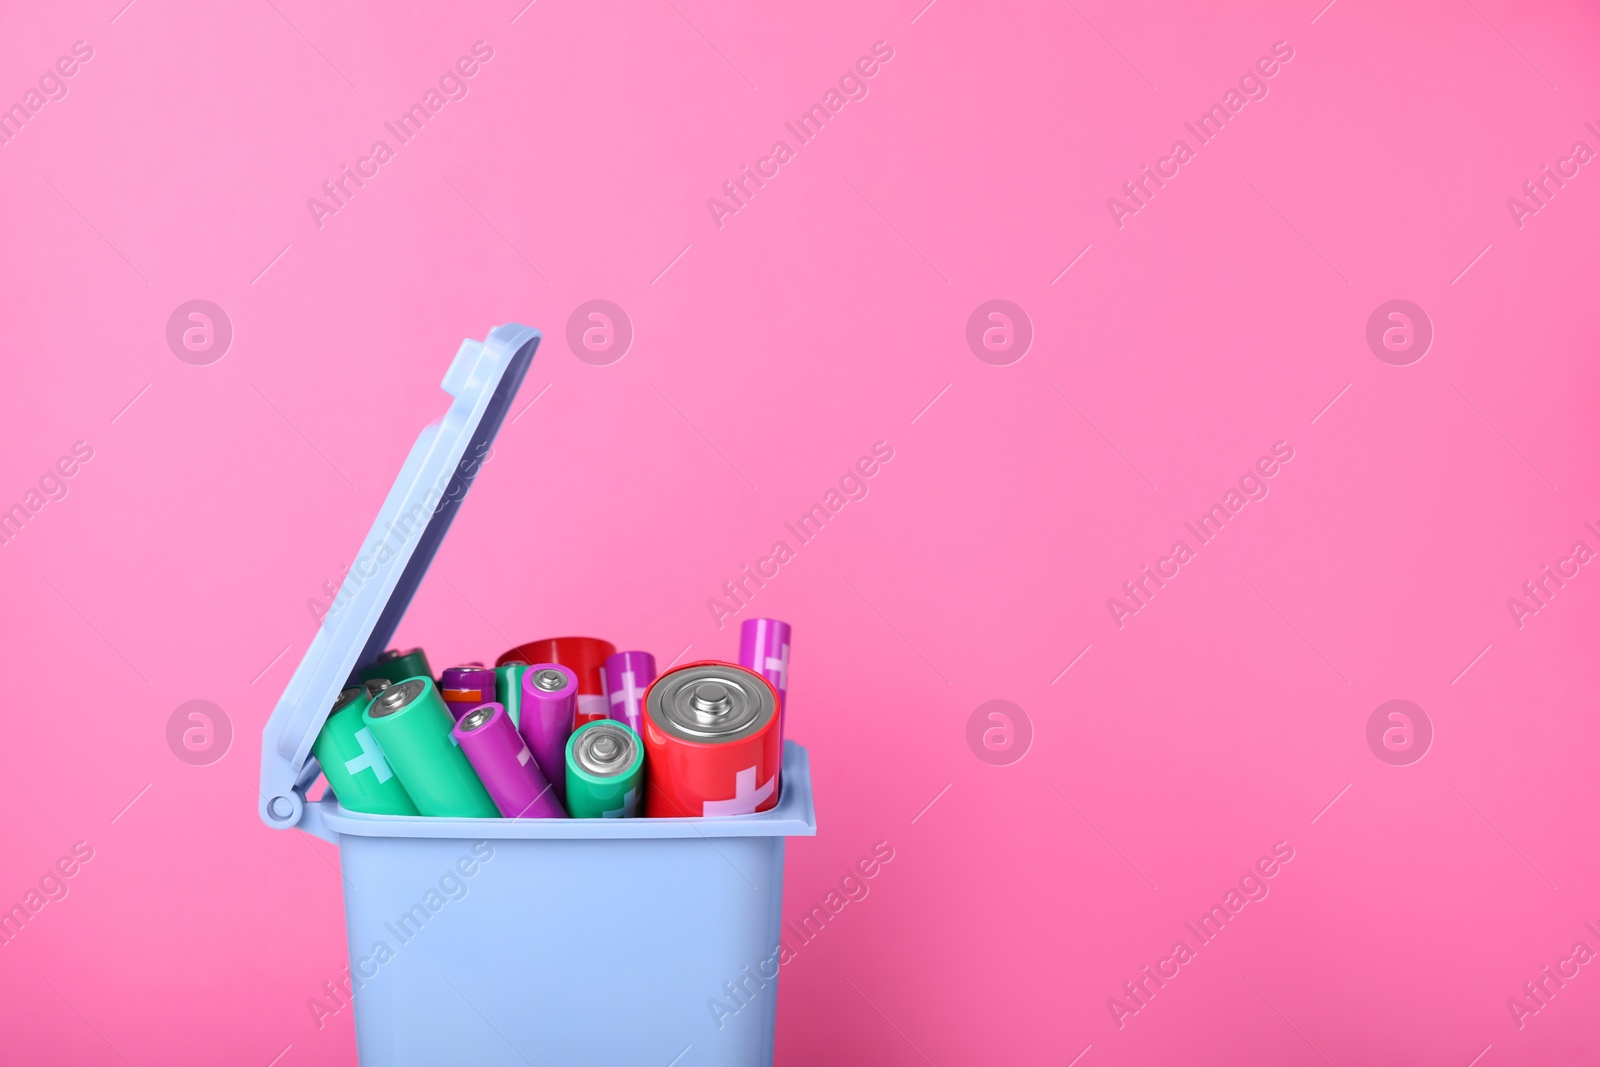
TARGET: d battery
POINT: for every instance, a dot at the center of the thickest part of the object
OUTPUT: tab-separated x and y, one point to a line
711	733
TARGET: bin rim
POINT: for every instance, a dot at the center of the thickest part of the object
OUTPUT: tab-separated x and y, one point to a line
793	816
481	380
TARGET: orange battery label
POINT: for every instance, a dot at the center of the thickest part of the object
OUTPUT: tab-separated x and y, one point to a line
463	694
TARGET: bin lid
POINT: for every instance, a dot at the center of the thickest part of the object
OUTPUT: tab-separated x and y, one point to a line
482	380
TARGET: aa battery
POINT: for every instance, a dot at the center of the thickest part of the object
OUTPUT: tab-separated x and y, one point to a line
397	664
375	686
548	692
711	734
627	675
508	689
505	765
584	655
355	766
764	648
464	688
605	771
413	727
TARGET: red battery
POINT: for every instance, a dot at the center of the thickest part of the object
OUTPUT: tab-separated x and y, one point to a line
711	740
583	656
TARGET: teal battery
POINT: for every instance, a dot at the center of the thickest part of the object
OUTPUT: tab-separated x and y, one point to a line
605	771
508	690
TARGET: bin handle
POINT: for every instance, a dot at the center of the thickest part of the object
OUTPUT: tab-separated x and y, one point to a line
292	811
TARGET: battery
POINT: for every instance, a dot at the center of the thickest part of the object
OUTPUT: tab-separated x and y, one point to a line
585	655
396	664
413	727
711	735
548	692
374	686
627	675
355	766
465	687
764	648
505	765
605	771
508	689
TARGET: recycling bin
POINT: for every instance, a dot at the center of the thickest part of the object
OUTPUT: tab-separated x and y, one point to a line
525	941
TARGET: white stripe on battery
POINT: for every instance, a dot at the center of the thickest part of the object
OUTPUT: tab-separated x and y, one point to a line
371	758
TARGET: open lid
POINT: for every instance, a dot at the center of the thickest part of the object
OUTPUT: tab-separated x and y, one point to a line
482	380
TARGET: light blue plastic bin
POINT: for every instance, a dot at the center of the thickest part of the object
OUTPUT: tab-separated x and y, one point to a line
526	941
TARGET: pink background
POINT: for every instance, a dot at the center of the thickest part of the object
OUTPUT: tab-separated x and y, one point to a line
824	316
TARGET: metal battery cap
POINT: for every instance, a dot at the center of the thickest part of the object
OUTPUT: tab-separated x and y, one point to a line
711	703
476	718
397	698
605	750
550	681
346	698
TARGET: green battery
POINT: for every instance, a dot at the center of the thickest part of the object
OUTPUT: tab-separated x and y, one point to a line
508	690
413	726
605	771
397	664
355	766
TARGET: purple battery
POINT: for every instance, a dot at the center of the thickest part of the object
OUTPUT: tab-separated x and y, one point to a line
764	648
627	675
548	704
505	765
465	687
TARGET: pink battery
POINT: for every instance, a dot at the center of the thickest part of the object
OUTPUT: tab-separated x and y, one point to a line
764	648
505	764
627	675
549	705
465	687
